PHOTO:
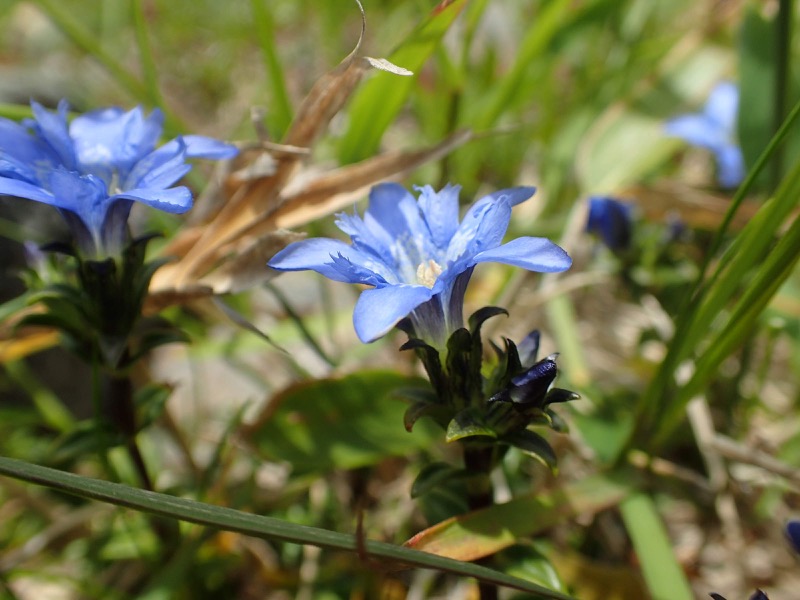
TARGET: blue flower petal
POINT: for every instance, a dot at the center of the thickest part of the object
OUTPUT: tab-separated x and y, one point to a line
380	309
20	148
482	228
730	166
159	169
52	128
84	195
440	210
535	254
513	196
394	217
317	255
200	146
722	105
173	200
697	130
113	140
23	189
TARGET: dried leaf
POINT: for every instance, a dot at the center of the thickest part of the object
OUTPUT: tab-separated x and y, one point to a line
249	267
695	207
385	65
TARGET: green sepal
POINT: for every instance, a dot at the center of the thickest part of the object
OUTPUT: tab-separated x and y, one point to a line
556	422
429	357
435	410
534	445
468	422
477	319
434	475
150	333
150	401
458	366
557	395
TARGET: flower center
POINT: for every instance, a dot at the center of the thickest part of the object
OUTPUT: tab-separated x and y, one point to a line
427	272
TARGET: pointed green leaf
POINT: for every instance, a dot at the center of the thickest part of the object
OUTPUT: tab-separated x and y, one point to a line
484	532
534	445
468	422
376	104
433	475
348	422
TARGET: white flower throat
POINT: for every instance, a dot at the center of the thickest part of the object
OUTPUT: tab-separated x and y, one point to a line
427	272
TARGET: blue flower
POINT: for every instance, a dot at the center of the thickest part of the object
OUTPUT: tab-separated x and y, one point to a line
793	534
418	257
611	220
715	129
95	167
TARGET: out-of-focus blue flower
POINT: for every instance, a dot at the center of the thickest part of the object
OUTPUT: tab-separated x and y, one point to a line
418	257
793	534
96	166
715	129
611	220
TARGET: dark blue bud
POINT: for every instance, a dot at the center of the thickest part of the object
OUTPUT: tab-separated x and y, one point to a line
611	220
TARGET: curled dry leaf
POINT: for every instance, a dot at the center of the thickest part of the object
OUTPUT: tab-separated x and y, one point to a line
243	222
699	209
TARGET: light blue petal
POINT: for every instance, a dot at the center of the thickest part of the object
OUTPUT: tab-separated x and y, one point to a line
363	237
730	166
200	146
84	195
52	127
111	139
698	130
23	189
380	309
723	105
440	210
174	200
317	254
159	169
513	196
535	254
393	215
18	146
482	228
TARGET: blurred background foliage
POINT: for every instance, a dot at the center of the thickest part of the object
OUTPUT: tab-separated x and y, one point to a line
684	345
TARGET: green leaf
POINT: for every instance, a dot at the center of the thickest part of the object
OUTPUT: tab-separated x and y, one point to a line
663	574
150	401
433	475
377	103
346	423
425	408
534	445
526	562
484	532
229	519
757	89
469	422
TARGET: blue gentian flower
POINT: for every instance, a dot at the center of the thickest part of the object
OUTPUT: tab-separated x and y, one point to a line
611	220
793	534
418	257
93	168
715	129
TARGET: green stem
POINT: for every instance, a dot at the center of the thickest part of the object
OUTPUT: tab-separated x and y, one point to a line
783	40
479	460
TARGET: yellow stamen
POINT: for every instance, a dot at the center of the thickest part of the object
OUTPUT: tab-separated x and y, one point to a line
428	272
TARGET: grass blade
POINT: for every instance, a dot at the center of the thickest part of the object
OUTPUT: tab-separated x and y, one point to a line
229	519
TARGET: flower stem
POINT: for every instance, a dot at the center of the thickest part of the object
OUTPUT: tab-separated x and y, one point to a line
479	460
